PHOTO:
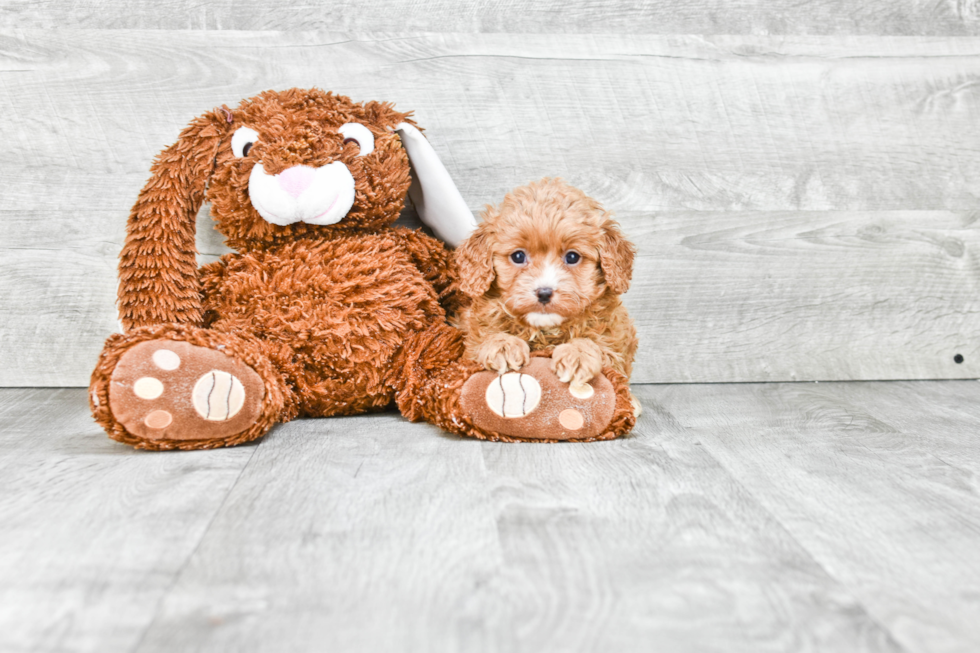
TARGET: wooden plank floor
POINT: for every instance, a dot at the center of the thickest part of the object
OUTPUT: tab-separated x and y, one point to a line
765	517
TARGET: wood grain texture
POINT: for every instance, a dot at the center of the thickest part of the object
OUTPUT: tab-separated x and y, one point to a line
906	17
350	534
742	517
367	534
92	533
705	146
805	295
651	123
636	547
878	482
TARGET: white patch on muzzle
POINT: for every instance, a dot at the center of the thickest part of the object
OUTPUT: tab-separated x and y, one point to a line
549	277
321	195
544	320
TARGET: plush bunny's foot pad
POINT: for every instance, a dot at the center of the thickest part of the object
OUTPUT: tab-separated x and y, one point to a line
166	390
534	405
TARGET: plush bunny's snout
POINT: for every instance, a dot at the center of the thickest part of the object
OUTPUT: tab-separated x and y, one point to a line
322	195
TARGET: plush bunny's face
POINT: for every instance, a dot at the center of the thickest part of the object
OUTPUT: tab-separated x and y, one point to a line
305	162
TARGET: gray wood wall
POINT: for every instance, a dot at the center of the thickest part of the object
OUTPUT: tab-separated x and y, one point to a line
802	179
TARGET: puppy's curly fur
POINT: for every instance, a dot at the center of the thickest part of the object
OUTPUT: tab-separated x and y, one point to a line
545	271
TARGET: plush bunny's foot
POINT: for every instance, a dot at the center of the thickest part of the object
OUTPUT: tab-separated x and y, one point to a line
534	405
172	394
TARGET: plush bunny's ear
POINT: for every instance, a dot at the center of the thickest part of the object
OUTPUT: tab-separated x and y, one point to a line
158	280
616	258
474	262
433	192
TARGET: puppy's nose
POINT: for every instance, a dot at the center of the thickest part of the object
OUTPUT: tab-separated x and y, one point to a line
544	294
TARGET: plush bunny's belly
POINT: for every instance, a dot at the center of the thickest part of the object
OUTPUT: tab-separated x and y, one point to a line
331	315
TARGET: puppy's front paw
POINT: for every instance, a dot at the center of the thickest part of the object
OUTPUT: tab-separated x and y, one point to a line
503	352
577	361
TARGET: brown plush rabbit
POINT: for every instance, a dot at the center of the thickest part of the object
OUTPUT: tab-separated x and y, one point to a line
324	309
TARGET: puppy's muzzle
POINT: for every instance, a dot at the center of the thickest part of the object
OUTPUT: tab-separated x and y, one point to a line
322	195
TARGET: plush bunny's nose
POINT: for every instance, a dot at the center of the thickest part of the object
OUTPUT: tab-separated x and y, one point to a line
296	179
321	195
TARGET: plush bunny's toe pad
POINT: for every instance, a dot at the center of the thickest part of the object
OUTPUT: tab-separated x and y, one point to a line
534	405
173	390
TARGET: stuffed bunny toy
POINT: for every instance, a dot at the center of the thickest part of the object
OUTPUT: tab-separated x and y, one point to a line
323	309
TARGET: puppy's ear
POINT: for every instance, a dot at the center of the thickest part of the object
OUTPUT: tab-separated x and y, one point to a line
158	280
616	258
474	262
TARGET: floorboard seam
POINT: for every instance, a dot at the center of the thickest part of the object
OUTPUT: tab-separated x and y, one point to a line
207	529
663	412
943	379
7	408
492	506
806	550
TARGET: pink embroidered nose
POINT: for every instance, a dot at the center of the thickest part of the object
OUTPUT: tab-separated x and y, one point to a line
295	180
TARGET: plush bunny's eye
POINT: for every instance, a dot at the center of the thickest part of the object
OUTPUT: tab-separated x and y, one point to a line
242	141
358	133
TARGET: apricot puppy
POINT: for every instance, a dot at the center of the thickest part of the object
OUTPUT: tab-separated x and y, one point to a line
545	271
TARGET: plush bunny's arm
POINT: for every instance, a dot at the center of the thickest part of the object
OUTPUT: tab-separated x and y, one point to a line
435	263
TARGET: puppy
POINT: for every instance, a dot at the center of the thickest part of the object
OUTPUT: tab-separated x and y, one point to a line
545	270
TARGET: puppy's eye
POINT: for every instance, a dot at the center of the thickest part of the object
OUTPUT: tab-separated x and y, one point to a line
242	141
355	132
519	257
572	257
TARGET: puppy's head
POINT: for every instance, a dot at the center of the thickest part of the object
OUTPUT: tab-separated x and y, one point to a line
547	251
